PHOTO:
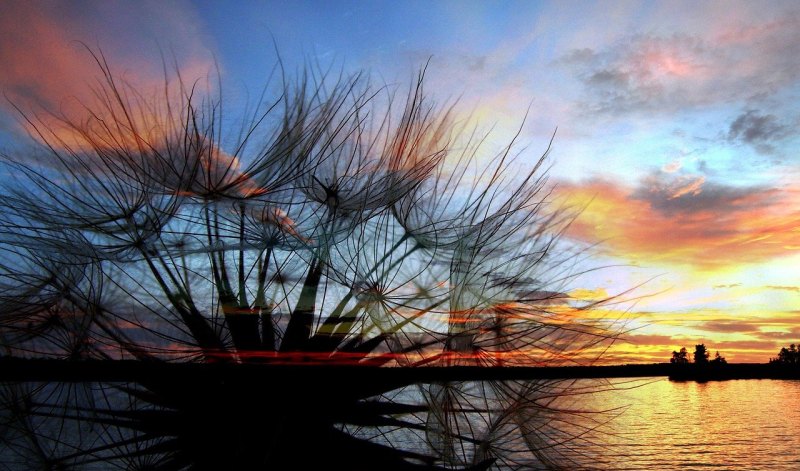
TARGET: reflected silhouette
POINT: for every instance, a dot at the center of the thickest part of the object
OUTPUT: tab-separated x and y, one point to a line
336	226
202	422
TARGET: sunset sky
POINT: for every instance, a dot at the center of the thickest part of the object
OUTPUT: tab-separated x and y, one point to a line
677	123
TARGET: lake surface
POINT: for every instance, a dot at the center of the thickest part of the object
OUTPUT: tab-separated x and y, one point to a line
632	424
724	425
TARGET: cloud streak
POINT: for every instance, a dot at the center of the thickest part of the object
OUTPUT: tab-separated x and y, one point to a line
686	221
795	289
658	348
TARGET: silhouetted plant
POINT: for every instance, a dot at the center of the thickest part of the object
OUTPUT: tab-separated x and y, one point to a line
718	360
787	356
680	358
338	225
700	355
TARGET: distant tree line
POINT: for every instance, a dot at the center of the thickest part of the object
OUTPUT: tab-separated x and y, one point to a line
787	356
700	356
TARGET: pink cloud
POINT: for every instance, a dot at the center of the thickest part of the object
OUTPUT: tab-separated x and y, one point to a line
709	229
689	186
46	65
672	167
720	63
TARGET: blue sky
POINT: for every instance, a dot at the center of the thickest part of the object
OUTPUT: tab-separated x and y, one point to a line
678	120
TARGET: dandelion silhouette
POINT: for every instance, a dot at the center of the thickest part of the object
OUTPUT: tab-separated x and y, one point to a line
338	230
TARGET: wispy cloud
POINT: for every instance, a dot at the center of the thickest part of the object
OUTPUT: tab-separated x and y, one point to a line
686	221
650	339
762	348
728	326
45	60
665	73
657	348
795	289
791	334
640	73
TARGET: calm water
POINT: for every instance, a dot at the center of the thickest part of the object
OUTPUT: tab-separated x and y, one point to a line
652	425
725	425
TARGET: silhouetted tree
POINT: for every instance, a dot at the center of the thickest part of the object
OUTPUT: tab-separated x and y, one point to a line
336	224
700	354
680	358
787	356
718	360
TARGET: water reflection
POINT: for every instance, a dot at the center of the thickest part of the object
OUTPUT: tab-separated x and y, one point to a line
728	425
541	424
208	424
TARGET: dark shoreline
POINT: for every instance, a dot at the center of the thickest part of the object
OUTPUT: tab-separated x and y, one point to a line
15	369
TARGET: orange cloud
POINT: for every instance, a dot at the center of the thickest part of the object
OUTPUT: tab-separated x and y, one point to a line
591	295
659	348
38	57
694	223
51	74
45	66
692	186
